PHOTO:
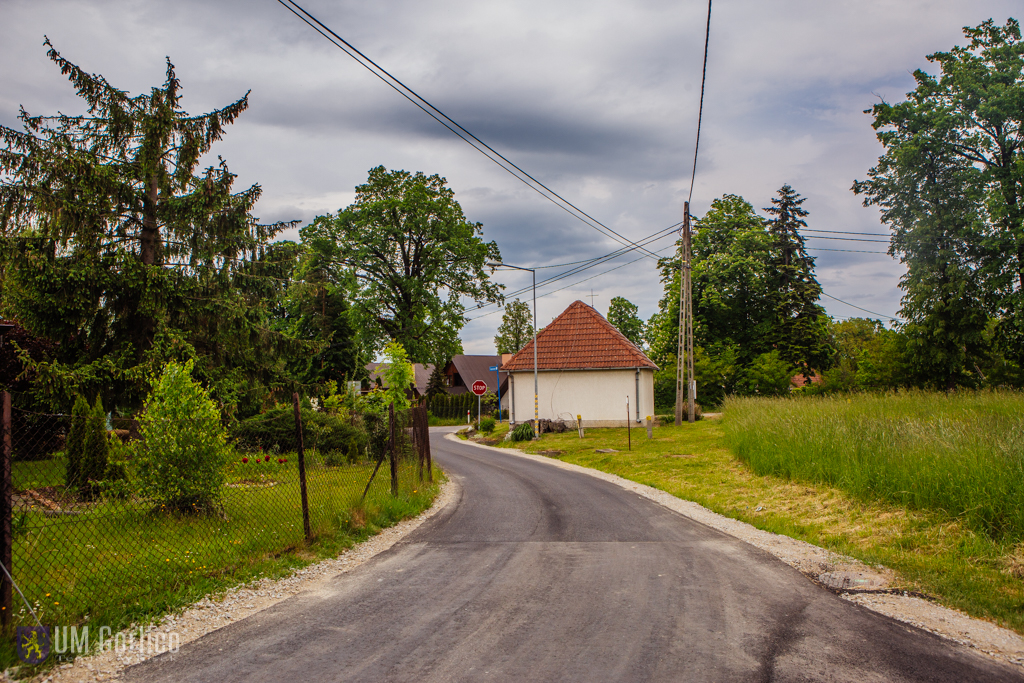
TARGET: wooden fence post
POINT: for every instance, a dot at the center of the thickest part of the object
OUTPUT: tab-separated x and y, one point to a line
302	468
6	510
393	449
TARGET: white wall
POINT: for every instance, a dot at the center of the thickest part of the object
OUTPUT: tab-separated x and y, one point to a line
599	396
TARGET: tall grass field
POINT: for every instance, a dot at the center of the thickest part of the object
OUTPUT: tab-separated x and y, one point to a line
960	454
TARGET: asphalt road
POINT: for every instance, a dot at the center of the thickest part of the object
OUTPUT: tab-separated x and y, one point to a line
539	574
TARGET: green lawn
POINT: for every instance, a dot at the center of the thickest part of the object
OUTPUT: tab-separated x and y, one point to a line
120	561
932	551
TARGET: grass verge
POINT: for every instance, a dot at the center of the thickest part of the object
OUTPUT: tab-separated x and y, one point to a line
121	563
932	551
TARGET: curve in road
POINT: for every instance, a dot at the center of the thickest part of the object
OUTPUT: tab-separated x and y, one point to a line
542	574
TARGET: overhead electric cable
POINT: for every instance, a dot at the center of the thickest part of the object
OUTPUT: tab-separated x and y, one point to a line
845	239
700	108
848	251
844	232
881	315
453	126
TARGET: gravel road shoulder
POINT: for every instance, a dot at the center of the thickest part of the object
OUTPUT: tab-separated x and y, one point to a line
851	579
210	614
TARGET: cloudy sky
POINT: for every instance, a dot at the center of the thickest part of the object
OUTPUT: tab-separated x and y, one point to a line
597	99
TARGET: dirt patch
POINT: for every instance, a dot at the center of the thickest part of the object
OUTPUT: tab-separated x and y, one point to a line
550	454
485	442
606	450
680	456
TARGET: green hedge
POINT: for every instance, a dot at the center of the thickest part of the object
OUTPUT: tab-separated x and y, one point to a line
276	429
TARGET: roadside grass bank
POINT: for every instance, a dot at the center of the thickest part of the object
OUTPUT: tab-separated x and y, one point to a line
146	563
931	551
959	454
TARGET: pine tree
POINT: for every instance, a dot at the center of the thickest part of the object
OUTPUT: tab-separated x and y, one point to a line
800	330
123	252
436	385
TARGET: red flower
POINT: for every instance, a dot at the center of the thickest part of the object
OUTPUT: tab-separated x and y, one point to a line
245	459
280	461
266	459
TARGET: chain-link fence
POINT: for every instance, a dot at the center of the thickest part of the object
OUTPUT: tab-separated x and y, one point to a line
99	516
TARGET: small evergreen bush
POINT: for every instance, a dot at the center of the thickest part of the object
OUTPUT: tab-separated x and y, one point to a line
487	425
184	446
522	432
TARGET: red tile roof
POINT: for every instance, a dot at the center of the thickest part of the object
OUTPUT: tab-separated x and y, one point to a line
579	339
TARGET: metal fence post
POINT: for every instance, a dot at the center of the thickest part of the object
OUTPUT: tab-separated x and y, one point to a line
393	449
302	468
5	512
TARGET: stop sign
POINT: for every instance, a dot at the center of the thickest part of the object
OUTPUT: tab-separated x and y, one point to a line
479	387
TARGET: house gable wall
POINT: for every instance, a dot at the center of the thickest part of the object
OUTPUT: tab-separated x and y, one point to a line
599	396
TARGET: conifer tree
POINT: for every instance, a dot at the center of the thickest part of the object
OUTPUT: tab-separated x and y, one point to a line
800	330
121	250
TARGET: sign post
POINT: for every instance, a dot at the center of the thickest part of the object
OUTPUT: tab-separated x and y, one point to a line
498	375
479	388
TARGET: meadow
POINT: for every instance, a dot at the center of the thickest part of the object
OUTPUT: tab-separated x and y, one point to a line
958	454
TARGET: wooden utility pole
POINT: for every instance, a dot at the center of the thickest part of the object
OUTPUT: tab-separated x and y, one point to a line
686	383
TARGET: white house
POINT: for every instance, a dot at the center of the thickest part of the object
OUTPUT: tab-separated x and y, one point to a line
585	367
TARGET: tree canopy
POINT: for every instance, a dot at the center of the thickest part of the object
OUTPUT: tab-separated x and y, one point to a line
516	328
623	315
950	186
407	256
117	247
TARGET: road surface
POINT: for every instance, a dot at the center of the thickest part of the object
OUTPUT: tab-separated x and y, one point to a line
541	574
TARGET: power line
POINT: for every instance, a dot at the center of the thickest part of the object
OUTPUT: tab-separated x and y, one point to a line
661	234
453	126
844	232
881	315
845	239
848	251
700	109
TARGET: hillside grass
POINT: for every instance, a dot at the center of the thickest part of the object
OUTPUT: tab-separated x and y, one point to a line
931	550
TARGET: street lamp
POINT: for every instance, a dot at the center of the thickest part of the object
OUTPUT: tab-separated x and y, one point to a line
536	400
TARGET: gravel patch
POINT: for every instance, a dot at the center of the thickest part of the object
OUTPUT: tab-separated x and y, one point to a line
851	579
212	613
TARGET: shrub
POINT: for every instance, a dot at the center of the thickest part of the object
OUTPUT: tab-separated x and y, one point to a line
275	429
184	446
74	447
522	432
487	424
86	449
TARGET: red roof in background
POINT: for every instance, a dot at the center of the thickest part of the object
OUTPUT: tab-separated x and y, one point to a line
580	339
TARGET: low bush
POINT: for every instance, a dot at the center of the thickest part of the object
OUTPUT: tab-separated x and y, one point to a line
274	431
522	432
184	446
487	424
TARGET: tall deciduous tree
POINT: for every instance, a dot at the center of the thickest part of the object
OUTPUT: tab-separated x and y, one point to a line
623	315
801	330
409	257
516	328
118	249
951	186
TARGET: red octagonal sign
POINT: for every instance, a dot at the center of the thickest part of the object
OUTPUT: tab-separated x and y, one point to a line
479	387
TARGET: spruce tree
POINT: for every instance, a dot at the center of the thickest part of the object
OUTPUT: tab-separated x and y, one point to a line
800	327
118	247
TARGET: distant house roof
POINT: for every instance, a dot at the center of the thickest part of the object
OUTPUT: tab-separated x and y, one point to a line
471	368
580	339
422	375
